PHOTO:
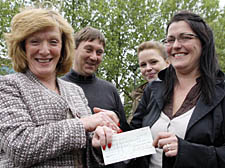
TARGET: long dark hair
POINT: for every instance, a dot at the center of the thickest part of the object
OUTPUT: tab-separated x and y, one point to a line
208	60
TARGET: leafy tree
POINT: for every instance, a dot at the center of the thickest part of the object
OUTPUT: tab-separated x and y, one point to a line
125	24
128	23
8	10
218	25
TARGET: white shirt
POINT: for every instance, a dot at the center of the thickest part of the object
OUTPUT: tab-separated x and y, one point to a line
177	125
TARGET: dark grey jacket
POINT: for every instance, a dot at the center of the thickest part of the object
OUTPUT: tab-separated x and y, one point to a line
100	93
204	142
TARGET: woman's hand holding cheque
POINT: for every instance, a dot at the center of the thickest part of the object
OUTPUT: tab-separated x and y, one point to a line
104	123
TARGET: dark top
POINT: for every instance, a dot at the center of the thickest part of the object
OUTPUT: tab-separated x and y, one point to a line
136	95
189	102
100	93
204	141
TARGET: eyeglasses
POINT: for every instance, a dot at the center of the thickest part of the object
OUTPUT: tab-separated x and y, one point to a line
182	38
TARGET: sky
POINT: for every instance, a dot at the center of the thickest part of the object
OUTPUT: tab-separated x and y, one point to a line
222	3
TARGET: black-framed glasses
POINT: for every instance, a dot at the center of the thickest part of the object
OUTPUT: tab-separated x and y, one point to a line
182	38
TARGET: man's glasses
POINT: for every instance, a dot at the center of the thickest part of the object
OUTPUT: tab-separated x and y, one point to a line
182	38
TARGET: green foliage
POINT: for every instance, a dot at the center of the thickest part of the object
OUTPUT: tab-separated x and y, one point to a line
5	66
8	10
125	24
218	25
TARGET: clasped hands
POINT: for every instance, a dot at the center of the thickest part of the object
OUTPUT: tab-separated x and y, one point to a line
104	123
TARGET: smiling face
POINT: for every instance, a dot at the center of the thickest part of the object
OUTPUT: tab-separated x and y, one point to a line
88	57
43	50
151	62
184	56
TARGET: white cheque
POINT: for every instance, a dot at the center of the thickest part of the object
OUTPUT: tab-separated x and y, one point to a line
128	145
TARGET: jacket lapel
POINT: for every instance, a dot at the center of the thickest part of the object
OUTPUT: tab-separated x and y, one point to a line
158	93
202	109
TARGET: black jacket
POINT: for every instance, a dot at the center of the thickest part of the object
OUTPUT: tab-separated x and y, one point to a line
204	142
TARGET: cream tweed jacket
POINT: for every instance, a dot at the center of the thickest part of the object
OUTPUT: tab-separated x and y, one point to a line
35	130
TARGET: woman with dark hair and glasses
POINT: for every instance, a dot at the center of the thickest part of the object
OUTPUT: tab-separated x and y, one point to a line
185	109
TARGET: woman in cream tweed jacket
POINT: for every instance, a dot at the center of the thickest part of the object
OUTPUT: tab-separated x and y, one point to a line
45	121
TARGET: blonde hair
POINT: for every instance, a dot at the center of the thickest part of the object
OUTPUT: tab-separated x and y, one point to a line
30	21
153	45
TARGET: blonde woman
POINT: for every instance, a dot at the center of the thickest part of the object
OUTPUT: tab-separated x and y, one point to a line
152	58
45	121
